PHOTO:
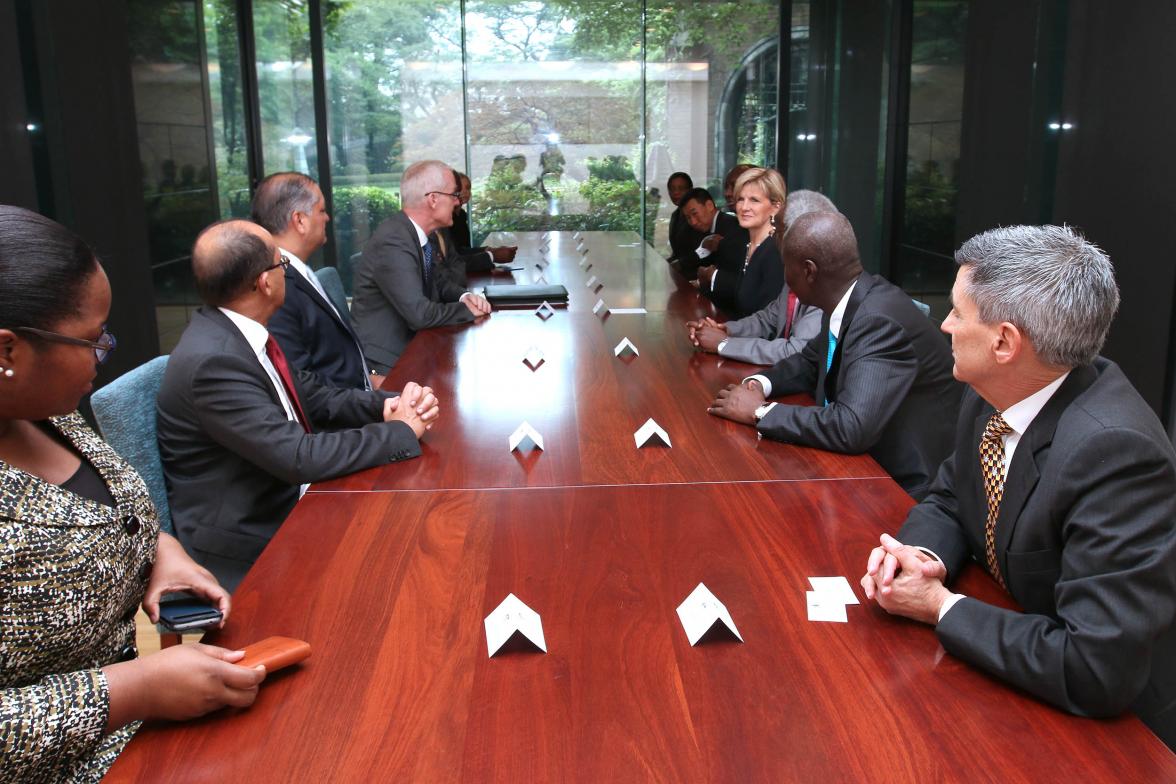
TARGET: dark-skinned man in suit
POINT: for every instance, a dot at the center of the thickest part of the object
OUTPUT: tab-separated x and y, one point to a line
879	370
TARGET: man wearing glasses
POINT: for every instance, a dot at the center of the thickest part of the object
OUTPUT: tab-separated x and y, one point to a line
399	284
241	432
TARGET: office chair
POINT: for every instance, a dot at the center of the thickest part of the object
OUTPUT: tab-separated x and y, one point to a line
125	411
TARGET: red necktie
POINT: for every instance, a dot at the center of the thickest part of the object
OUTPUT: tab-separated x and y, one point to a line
792	303
274	352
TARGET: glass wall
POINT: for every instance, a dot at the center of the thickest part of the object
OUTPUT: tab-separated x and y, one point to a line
394	95
927	238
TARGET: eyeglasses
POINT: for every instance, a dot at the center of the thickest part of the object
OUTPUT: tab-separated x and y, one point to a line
456	195
102	346
284	264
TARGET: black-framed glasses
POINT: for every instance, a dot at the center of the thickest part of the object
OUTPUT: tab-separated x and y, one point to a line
446	193
284	264
102	346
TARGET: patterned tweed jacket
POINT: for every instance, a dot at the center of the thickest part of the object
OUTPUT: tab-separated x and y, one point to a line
72	574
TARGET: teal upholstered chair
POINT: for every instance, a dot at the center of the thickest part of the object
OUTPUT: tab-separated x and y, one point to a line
125	410
333	285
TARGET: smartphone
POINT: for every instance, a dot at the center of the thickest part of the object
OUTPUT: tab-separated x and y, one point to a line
181	615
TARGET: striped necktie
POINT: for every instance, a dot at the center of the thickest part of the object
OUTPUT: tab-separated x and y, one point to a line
428	251
829	361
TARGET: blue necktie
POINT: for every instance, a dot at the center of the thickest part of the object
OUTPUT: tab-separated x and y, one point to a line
829	361
428	250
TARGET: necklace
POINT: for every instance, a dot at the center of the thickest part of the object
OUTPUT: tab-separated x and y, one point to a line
751	248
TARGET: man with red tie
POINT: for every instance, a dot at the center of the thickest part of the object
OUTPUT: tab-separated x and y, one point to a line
782	328
241	432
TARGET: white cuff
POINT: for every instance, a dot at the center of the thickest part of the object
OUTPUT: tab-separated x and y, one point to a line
763	382
464	295
701	252
948	603
714	275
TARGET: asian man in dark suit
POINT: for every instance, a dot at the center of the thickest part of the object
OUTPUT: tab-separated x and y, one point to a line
312	332
1062	485
241	432
879	370
399	285
724	241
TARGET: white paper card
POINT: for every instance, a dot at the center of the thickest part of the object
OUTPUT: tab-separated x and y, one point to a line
509	617
533	357
582	262
575	235
648	431
583	251
640	311
598	307
544	311
825	607
701	611
626	344
591	282
837	588
541	280
523	432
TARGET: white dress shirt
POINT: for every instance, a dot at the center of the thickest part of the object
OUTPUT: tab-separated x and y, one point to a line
702	252
256	335
835	319
423	239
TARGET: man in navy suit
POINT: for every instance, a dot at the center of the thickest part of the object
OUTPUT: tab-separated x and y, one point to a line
312	331
1061	485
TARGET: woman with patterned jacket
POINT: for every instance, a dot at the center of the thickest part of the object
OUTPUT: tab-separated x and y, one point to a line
80	547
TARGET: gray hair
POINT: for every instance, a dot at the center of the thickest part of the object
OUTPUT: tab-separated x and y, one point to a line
279	196
1050	282
800	202
421	178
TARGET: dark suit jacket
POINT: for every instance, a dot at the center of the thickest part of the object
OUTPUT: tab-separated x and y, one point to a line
472	258
742	292
890	389
1086	543
390	301
683	242
233	461
313	338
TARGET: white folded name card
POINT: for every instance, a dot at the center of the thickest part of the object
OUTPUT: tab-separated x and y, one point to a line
626	345
650	431
583	251
639	311
701	612
598	307
533	358
510	618
523	433
544	311
591	282
541	280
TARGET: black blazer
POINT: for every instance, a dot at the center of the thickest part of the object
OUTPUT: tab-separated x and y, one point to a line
391	301
890	388
232	460
683	244
730	253
314	338
741	292
1086	543
472	258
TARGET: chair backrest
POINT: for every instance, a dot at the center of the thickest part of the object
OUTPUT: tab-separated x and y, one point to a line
125	410
333	285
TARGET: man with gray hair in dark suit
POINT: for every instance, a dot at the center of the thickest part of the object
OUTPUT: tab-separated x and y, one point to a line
400	287
1062	485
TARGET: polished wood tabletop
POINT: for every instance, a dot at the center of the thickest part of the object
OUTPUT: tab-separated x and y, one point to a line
390	589
389	573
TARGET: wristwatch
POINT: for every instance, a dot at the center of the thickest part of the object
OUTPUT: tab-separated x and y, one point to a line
763	410
722	343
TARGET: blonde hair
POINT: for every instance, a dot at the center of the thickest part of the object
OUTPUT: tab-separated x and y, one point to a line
770	182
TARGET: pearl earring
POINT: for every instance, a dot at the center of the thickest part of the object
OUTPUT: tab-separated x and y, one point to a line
8	373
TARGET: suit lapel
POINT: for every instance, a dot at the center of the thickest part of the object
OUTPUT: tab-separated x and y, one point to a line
864	282
221	321
294	277
1032	450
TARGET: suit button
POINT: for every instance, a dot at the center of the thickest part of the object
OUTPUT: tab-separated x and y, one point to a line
145	571
131	524
128	653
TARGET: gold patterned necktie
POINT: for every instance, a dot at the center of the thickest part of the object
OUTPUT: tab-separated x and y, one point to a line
992	468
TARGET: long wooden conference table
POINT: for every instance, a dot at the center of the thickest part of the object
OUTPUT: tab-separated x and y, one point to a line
390	572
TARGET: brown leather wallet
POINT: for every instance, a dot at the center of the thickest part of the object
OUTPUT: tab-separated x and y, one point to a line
275	653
